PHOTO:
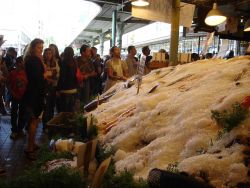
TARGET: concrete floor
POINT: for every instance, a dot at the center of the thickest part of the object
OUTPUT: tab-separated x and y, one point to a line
12	157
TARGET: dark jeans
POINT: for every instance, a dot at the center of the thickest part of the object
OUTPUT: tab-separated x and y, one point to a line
84	92
67	102
18	117
50	102
95	86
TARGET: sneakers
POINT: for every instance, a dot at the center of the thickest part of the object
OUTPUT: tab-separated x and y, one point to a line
21	134
13	135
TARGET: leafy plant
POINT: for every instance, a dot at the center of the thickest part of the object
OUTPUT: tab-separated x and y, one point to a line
61	177
35	178
93	129
125	179
102	153
230	119
45	155
81	125
92	132
173	167
82	131
220	134
81	110
200	151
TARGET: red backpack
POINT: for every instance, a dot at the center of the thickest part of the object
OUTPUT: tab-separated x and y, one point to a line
18	83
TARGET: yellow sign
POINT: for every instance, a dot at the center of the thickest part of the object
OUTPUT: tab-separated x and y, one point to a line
160	10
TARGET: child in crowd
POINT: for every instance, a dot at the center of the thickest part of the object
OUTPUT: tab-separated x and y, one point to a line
17	83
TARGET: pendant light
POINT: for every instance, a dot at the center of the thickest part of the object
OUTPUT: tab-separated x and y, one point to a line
140	3
247	26
215	16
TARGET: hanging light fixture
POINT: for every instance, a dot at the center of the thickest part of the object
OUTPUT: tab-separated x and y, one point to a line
140	3
108	35
247	26
96	40
215	16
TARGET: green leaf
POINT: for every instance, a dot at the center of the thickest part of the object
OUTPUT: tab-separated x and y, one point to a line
229	119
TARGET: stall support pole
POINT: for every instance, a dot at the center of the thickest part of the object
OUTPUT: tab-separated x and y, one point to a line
102	35
199	45
114	23
174	32
218	45
120	31
92	42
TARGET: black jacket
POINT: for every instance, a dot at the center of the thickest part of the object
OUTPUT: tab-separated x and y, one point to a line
67	78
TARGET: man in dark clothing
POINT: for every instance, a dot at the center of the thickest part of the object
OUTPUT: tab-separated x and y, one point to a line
96	81
67	83
146	53
87	69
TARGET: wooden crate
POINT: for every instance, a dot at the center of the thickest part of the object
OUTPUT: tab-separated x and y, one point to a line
61	124
157	64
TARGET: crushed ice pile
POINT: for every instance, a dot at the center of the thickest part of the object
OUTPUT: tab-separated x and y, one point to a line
174	124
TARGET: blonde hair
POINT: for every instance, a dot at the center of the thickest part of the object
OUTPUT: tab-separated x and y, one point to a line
31	48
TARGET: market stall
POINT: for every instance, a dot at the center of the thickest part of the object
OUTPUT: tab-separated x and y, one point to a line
197	117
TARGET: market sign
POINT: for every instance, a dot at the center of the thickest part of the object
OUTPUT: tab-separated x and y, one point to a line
208	42
223	48
160	10
140	72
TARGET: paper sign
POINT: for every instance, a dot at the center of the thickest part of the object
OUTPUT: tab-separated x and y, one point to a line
223	48
140	72
160	10
209	40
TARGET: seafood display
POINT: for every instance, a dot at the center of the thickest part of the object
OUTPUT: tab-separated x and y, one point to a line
171	120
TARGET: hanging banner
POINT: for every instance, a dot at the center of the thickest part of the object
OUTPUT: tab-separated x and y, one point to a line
210	37
160	10
223	49
140	72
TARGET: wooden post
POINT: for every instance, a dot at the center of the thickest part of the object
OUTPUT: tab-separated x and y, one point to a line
175	18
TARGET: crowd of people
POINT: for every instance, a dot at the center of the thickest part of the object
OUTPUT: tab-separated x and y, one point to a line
41	82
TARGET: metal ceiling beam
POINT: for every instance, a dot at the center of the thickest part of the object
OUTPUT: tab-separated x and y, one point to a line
105	19
93	30
127	20
138	21
113	3
84	37
105	2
